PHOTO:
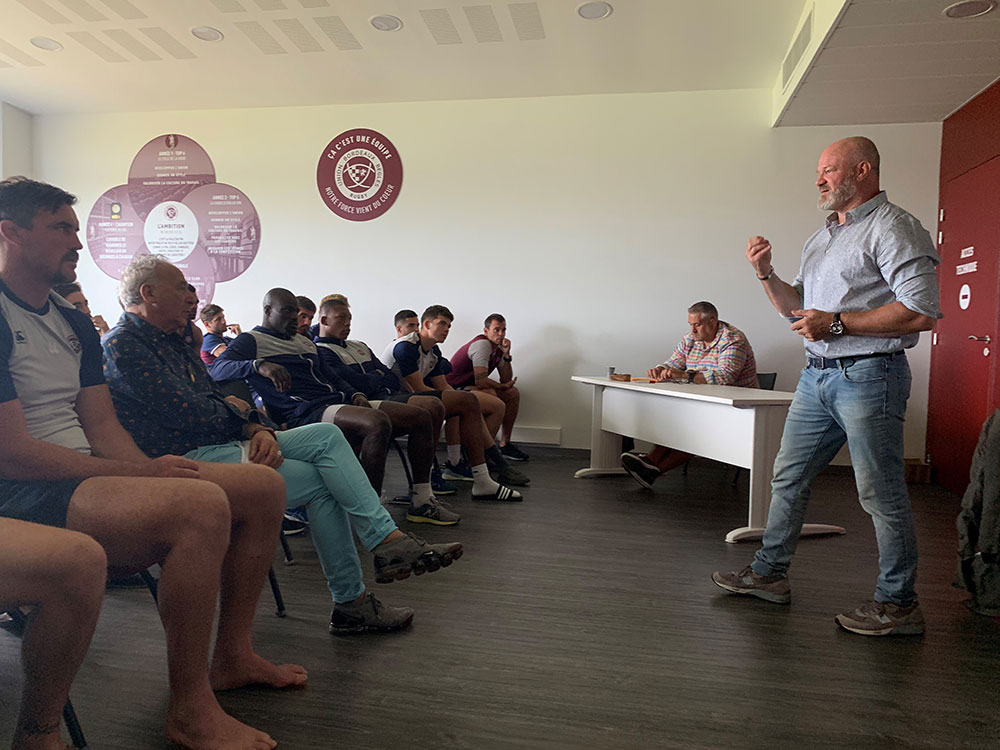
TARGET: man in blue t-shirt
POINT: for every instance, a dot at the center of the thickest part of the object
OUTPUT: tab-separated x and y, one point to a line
65	461
215	341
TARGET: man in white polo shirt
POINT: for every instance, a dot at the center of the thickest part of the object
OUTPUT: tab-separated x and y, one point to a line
65	461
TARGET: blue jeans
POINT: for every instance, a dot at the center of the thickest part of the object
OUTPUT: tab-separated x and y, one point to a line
862	402
321	471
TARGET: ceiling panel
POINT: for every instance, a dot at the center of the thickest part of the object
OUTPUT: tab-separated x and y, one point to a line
897	61
294	52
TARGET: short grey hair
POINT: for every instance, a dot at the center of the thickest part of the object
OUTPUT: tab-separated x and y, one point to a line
704	309
142	270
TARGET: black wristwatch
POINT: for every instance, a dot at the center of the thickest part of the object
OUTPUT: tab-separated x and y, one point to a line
836	327
692	374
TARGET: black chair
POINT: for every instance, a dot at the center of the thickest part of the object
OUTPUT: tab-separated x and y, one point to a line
406	470
16	623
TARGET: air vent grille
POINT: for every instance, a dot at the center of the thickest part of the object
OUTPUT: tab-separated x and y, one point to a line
338	33
527	21
799	47
483	23
442	28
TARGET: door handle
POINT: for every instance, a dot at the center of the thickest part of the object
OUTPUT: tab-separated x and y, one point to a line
985	339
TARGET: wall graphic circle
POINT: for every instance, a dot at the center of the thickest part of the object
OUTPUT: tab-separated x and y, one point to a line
359	175
172	206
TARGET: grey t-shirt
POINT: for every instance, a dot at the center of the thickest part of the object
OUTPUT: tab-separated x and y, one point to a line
46	356
879	255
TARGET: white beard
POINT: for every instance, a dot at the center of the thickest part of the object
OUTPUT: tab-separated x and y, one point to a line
838	197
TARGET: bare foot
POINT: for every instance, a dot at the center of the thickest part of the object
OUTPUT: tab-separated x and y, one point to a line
228	674
211	728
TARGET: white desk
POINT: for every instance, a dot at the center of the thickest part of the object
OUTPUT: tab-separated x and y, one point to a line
739	426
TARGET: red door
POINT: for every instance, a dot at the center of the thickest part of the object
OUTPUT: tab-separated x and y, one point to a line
963	377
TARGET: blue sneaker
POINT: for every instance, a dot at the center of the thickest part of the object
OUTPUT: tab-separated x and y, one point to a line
461	472
439	485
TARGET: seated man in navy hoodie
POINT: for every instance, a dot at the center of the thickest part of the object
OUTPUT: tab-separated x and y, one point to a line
419	417
284	368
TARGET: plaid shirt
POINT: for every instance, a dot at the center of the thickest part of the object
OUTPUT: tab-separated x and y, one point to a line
725	360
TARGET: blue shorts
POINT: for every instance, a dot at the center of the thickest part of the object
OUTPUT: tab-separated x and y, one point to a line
37	500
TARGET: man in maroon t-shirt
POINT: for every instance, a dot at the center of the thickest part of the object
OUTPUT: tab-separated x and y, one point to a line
471	367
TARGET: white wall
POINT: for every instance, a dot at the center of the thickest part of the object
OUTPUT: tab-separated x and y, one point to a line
16	150
590	222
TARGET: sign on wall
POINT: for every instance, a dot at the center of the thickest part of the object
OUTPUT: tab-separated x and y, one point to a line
173	206
359	175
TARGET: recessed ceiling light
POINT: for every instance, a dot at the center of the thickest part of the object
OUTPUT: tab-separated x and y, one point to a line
969	8
387	23
594	11
49	45
207	34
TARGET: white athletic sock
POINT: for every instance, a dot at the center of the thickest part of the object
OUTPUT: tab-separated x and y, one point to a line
454	454
482	484
421	494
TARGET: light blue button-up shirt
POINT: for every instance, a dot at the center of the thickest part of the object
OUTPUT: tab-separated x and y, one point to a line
879	255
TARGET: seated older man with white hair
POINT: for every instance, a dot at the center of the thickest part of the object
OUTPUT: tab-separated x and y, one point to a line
167	401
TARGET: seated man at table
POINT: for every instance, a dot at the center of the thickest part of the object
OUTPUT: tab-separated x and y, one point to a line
167	400
215	341
474	363
284	369
419	364
713	353
417	416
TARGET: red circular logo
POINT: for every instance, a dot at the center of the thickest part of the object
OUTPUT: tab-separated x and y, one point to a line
359	175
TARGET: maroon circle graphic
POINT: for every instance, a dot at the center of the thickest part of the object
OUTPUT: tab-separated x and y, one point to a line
166	169
228	227
359	175
114	232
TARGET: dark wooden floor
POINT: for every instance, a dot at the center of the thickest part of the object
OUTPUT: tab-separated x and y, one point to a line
585	618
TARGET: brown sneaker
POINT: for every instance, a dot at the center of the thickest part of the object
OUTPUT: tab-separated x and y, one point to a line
883	618
770	588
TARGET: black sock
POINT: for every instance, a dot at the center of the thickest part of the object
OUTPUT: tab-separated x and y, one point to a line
495	458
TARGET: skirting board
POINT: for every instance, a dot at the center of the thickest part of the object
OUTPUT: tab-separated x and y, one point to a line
539	435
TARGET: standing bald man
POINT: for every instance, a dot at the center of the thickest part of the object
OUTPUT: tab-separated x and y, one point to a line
866	288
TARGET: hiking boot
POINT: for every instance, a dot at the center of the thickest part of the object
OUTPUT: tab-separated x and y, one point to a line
637	467
395	560
769	588
503	493
883	618
512	453
440	485
433	511
510	476
367	616
460	472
